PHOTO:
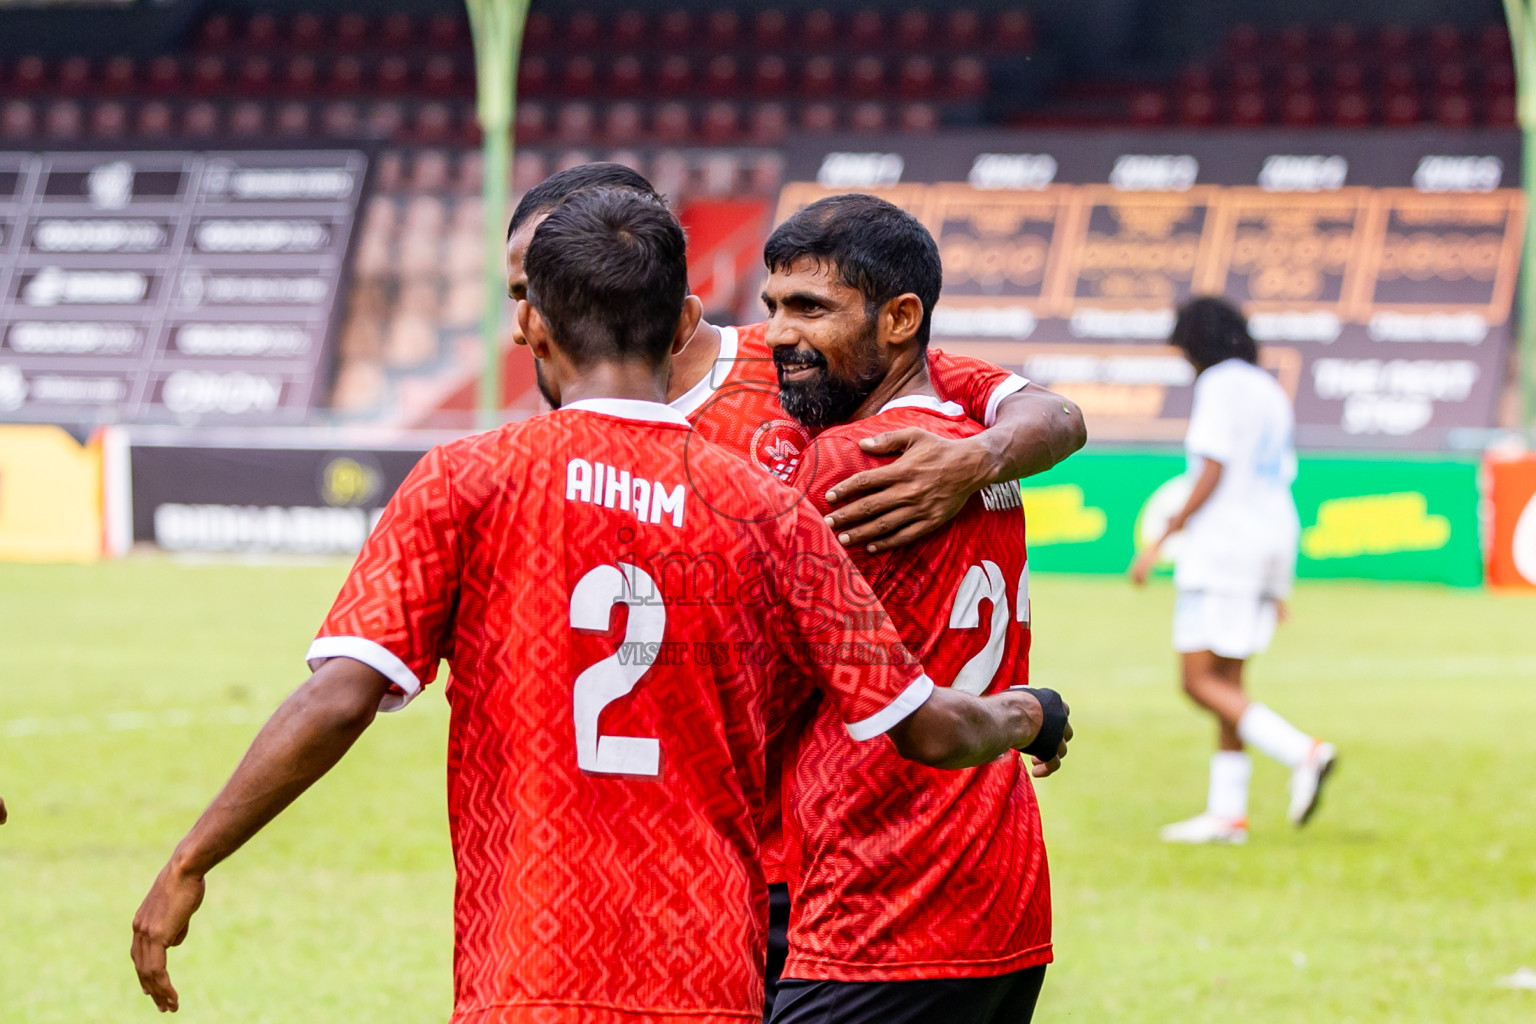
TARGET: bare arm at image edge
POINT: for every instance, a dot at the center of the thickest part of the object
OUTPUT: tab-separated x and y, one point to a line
304	738
957	730
933	477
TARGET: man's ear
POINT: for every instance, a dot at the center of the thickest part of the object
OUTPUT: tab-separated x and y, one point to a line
687	322
534	328
901	319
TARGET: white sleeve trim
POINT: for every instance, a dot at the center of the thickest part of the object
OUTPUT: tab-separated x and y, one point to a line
375	656
1012	386
894	713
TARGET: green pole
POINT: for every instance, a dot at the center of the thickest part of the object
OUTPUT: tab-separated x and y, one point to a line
497	26
1522	37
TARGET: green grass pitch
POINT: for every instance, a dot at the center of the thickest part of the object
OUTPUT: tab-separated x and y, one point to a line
128	691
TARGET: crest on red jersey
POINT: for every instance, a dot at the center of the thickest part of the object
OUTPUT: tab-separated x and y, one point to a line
778	445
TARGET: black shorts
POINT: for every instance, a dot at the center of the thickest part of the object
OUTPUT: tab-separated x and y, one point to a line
778	944
1004	999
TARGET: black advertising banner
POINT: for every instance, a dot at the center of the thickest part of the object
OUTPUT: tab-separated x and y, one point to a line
263	500
1377	268
172	287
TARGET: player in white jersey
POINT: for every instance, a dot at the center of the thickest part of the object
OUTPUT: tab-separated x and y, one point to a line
1234	566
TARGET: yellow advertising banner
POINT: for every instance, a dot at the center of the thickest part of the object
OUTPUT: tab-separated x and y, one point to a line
50	496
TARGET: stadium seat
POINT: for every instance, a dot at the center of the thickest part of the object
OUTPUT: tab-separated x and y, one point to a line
18	120
1348	77
200	120
818	29
1296	77
386	119
575	122
63	121
770	29
306	31
722	29
675	76
30	74
346	75
292	120
1500	111
967	79
255	75
1246	77
1450	76
626	76
962	30
109	120
1013	32
818	78
1399	76
1293	43
1243	43
918	118
261	31
397	30
769	124
583	31
154	120
1298	109
1394	43
1196	78
1148	107
528	169
1351	110
1493	43
672	123
1453	110
914	29
623	124
1342	41
533	76
721	123
447	32
1444	43
393	75
1401	109
629	30
722	76
74	76
538	33
300	75
917	78
248	119
216	32
578	77
1498	78
341	118
818	118
866	30
440	75
532	123
119	75
770	76
353	29
434	124
1197	108
208	75
868	117
866	79
1248	109
765	173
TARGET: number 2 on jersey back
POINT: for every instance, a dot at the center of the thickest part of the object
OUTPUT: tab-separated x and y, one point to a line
985	582
601	684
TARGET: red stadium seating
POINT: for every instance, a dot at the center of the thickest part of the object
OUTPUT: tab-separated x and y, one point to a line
624	124
630	30
440	75
722	76
914	29
818	77
538	33
30	75
962	30
352	30
347	75
533	76
967	79
18	120
918	78
74	75
818	118
1401	109
818	29
868	117
154	120
626	76
532	124
770	76
673	123
255	75
1299	110
918	118
769	123
248	119
293	119
583	31
1148	107
217	31
119	75
63	121
1248	109
1197	108
109	120
866	79
208	75
721	123
341	118
393	75
576	123
675	76
770	29
306	31
200	119
301	75
722	29
866	29
397	30
1013	32
1351	110
261	31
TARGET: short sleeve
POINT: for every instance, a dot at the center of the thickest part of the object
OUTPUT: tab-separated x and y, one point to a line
838	635
975	384
395	610
1212	434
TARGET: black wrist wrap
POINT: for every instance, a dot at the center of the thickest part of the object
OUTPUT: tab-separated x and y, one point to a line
1053	723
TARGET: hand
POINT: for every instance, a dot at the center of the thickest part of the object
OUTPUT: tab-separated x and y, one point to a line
1040	769
2	810
1141	568
1282	616
910	498
162	922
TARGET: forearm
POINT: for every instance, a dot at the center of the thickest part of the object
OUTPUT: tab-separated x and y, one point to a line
1035	429
1205	486
304	738
958	730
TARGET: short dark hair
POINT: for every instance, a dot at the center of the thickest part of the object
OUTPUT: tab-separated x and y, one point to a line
608	271
1210	329
550	192
872	245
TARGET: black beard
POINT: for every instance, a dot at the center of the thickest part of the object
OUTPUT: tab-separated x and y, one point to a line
538	376
826	399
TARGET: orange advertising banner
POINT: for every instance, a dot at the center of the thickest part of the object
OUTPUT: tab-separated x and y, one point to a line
1512	554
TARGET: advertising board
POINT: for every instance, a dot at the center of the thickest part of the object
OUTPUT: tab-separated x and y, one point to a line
50	496
1391	518
181	287
1512	544
1377	268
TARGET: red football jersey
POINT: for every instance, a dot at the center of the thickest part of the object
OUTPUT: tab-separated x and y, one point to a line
899	871
614	601
737	407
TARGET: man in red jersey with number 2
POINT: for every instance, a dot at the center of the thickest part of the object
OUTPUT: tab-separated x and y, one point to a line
724	381
920	896
610	701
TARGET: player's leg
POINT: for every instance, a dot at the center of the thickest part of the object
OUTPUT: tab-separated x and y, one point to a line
778	944
1215	683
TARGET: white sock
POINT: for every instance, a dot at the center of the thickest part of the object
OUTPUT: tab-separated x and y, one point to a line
1274	736
1228	795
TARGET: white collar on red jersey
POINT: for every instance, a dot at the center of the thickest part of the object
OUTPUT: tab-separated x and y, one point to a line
691	400
923	402
628	409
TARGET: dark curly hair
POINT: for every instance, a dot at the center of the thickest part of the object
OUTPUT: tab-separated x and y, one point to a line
1211	329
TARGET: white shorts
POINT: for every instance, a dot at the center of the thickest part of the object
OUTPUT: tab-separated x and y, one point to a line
1231	625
